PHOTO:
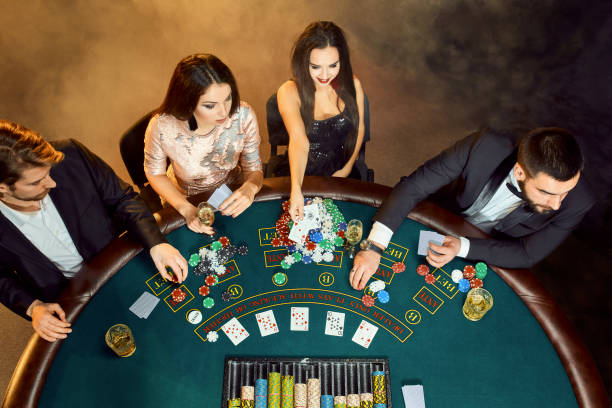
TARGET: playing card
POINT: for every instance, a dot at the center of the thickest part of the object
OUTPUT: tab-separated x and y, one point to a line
334	326
425	237
144	305
413	396
219	196
364	334
311	216
235	331
299	318
267	323
298	232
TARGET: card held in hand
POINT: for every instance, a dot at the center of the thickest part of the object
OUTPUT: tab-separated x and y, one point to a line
235	331
299	319
267	323
334	326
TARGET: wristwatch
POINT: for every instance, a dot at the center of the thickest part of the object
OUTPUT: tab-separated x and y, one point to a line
366	245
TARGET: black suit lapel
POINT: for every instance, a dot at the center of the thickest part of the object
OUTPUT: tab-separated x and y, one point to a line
499	175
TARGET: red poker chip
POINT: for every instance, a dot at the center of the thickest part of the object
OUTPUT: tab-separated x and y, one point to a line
476	283
276	242
210	280
204	290
285	206
340	233
224	241
367	300
311	246
422	270
400	267
469	272
177	292
429	278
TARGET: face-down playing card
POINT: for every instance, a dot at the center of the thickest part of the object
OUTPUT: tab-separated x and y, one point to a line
334	326
235	331
267	323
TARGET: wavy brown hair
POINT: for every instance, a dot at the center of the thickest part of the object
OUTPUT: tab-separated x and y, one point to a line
323	34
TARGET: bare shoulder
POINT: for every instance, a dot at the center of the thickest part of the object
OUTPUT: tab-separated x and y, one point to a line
287	94
358	87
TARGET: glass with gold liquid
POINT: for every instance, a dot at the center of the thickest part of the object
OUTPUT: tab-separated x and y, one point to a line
477	303
354	231
120	339
206	213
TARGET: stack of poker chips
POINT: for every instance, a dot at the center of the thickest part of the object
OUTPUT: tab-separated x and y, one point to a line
471	277
305	383
320	242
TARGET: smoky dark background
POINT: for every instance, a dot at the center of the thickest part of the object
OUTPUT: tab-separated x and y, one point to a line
433	72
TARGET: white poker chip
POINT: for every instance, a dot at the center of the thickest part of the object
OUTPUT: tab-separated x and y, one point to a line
377	286
212	336
456	275
328	257
194	316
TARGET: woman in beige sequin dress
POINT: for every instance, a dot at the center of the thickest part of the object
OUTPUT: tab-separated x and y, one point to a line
209	137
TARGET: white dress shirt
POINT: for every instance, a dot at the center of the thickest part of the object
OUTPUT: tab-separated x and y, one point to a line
501	204
46	230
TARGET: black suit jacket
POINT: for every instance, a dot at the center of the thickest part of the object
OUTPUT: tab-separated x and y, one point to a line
470	172
95	206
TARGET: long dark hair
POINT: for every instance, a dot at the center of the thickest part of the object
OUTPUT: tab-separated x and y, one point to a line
323	34
190	80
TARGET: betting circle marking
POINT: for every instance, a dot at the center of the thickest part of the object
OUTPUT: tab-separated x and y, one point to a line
412	316
326	279
236	291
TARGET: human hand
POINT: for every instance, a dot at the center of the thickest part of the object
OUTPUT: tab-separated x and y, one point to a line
45	322
447	251
364	266
190	213
296	206
240	200
164	255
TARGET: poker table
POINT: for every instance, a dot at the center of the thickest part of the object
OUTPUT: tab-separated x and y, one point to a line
524	352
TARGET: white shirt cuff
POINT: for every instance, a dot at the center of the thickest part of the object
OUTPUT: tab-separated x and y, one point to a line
380	233
464	248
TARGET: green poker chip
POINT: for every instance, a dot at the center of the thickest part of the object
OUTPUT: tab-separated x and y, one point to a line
338	241
208	302
215	246
279	278
481	270
194	260
297	256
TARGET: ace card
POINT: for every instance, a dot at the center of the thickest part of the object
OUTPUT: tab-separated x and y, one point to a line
365	334
299	319
334	326
235	331
267	323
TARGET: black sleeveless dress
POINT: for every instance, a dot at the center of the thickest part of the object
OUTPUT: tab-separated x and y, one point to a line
326	153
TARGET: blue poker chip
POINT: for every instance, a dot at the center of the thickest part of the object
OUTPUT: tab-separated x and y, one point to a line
464	285
383	296
342	226
315	236
306	259
291	248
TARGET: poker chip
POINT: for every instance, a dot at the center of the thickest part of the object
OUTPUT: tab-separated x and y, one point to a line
226	253
297	256
215	246
178	295
226	296
429	278
194	259
400	267
194	316
476	283
204	290
202	267
243	249
377	285
456	275
306	259
210	280
315	236
276	242
224	241
328	257
383	296
481	270
279	278
422	270
212	336
208	302
464	285
367	300
469	272
339	241
220	270
284	264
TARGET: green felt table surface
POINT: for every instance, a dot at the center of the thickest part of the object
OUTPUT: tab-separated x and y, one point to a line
503	360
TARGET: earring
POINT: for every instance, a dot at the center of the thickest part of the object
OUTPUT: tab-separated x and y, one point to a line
193	124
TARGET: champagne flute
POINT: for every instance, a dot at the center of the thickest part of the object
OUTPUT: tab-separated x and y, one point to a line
354	231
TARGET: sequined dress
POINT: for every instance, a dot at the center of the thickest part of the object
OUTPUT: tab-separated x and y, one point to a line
326	153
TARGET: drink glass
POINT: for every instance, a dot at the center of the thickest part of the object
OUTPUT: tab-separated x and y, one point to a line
478	302
354	231
120	339
206	213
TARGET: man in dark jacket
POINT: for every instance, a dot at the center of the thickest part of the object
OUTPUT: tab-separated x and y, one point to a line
60	204
527	196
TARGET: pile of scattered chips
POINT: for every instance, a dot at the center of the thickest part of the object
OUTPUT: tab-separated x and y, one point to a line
423	270
178	295
470	277
377	287
320	242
